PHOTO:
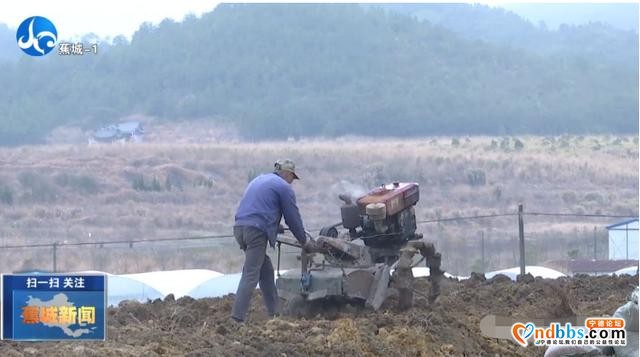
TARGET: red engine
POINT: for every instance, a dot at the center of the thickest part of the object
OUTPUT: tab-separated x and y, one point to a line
396	197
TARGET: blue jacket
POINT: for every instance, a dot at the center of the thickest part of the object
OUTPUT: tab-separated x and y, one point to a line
267	198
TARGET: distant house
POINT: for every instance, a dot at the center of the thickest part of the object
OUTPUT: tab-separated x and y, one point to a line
623	240
126	131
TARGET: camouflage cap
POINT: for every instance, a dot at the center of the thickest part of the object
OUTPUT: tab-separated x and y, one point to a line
286	165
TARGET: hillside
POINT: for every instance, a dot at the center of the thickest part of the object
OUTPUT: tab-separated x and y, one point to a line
157	190
588	41
274	71
622	15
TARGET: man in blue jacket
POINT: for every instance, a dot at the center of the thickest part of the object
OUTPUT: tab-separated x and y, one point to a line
267	198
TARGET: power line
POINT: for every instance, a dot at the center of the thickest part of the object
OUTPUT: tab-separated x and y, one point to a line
223	236
467	217
527	214
37	245
131	241
577	215
154	240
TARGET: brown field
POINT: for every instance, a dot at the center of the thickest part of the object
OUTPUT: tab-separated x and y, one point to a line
448	327
80	193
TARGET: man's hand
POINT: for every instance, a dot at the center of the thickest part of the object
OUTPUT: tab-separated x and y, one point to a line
310	245
280	229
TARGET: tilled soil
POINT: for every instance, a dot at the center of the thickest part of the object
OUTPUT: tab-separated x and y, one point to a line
448	327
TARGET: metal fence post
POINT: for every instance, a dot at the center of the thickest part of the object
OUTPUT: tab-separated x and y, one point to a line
484	267
595	244
55	258
521	235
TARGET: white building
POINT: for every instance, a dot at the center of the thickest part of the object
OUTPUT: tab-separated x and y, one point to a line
623	240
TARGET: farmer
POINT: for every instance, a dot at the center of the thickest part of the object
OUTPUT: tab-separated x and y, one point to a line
266	199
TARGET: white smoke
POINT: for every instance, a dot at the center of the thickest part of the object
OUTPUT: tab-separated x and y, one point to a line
352	189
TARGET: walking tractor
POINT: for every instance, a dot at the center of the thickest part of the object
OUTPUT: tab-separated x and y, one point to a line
360	258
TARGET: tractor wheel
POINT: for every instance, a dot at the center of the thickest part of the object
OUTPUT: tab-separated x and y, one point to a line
330	231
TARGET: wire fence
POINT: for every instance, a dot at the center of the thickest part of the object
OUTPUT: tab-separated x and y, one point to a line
463	249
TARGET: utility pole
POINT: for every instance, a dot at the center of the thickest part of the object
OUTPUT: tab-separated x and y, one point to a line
594	244
55	258
484	267
521	236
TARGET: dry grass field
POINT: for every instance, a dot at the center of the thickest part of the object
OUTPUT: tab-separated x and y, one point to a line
80	193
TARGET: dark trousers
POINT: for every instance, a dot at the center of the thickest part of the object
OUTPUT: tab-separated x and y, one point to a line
257	269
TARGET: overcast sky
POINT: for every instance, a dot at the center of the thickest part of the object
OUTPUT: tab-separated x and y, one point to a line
105	18
109	18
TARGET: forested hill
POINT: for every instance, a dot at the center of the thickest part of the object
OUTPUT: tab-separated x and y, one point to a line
281	70
496	25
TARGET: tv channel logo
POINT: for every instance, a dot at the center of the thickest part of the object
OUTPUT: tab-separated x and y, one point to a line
36	36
